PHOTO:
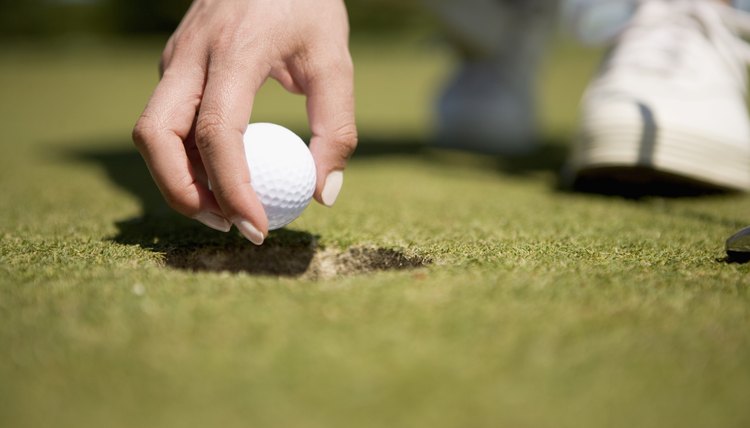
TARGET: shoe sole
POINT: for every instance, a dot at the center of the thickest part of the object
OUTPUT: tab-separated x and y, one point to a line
642	155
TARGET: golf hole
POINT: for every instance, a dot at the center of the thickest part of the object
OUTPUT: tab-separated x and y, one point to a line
306	261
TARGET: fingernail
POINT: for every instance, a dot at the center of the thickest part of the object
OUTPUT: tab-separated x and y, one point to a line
214	221
250	232
332	187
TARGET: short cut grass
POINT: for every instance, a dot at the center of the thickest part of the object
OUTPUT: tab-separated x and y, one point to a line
443	290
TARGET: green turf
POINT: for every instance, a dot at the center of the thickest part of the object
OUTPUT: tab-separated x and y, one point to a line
535	307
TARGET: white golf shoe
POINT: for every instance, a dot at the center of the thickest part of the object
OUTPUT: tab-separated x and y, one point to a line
488	107
668	104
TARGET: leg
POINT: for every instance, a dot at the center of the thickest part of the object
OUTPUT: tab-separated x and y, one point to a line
489	104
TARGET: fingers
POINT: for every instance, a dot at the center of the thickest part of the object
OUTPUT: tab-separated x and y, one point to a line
330	109
159	136
224	113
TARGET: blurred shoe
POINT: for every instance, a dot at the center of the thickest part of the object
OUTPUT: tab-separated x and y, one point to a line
488	106
668	105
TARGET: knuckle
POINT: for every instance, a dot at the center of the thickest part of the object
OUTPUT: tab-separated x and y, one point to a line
346	138
346	63
224	40
231	37
208	128
179	197
144	132
339	64
227	193
183	39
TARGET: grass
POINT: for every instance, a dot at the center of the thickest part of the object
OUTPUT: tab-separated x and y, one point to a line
534	307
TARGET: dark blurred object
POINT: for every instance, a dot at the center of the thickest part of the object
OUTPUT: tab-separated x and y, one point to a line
44	17
22	18
382	16
54	17
738	246
146	16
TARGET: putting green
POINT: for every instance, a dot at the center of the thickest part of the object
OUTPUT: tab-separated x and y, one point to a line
443	290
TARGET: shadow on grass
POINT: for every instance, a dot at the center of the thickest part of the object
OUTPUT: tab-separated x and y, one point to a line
635	184
186	244
548	158
126	168
189	245
638	183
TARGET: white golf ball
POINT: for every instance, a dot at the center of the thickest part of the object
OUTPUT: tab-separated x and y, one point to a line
282	171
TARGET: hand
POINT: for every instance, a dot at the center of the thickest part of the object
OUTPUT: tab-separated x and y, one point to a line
212	67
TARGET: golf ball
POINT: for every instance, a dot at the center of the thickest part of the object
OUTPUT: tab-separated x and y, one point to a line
282	171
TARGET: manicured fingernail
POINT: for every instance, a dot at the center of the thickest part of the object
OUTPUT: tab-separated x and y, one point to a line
250	232
331	189
214	221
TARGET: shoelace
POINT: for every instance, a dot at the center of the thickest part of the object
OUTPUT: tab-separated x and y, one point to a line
654	37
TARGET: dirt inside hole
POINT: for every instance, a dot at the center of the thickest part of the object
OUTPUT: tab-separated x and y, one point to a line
297	260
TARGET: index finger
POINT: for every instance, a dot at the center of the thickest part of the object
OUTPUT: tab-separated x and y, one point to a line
223	117
159	136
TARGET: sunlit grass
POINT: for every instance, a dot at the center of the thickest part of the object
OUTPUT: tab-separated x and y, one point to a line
534	308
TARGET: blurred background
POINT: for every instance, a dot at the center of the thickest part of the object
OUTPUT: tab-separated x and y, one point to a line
105	52
56	17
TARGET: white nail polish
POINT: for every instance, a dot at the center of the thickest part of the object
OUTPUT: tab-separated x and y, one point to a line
249	231
214	221
332	187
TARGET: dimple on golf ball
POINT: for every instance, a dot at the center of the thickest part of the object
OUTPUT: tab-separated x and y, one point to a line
282	171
